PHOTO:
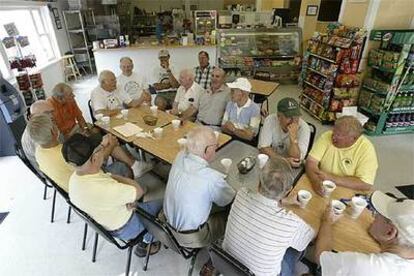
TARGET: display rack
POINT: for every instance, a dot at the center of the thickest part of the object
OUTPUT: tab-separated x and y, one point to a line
330	78
266	54
387	93
81	32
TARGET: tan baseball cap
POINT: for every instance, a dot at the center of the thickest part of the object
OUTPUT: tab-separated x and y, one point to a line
163	53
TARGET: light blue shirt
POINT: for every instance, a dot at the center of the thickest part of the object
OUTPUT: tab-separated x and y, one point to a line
191	190
247	116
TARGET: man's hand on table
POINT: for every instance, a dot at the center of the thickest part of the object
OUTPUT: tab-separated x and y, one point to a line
290	200
294	162
229	126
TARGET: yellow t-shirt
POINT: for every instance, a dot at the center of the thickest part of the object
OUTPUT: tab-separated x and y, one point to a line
103	198
359	160
51	163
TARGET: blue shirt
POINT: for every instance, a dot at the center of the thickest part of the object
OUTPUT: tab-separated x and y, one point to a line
247	116
191	190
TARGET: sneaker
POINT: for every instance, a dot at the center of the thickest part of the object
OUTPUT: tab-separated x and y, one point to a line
140	167
142	248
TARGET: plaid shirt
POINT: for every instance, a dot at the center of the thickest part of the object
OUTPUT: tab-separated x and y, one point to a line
203	77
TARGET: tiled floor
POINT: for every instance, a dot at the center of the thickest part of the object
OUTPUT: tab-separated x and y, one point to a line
31	245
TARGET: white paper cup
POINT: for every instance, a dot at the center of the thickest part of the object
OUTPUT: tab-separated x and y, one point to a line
304	197
226	162
124	113
358	205
158	132
106	120
338	207
328	187
262	159
182	142
154	110
99	116
217	134
176	124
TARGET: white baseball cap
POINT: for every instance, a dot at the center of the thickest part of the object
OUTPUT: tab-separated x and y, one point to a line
242	84
163	53
399	211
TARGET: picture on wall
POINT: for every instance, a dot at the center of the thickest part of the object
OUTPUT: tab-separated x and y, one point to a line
312	10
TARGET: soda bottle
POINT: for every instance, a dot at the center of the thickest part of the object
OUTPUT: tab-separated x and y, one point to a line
388	123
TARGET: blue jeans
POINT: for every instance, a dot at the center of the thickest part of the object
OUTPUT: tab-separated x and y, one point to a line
134	226
289	261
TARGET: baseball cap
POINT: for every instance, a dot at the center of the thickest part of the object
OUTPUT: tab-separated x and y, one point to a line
399	211
78	149
242	84
288	107
163	53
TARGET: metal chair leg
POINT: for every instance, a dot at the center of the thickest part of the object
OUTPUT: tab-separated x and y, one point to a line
85	234
148	255
69	211
128	261
95	245
52	218
192	263
45	193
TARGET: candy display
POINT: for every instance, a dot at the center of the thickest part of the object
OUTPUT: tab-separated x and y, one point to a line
387	60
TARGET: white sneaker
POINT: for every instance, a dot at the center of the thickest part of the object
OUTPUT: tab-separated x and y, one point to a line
140	167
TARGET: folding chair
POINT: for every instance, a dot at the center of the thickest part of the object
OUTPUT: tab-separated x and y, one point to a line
100	230
311	138
161	232
225	263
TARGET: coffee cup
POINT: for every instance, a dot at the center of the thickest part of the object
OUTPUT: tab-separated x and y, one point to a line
338	207
176	124
99	116
154	110
226	162
358	205
328	187
158	132
106	120
124	113
304	197
262	159
182	142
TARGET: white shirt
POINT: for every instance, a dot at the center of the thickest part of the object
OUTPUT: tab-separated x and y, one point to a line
160	74
359	264
133	85
273	136
188	98
102	99
259	232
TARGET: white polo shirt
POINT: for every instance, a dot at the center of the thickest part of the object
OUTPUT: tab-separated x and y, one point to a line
188	98
133	85
102	99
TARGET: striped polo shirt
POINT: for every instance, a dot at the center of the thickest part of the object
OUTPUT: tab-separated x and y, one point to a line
259	232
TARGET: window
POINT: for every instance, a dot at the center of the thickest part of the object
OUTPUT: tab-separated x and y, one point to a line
31	22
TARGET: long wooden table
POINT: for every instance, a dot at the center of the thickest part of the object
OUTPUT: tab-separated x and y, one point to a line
349	234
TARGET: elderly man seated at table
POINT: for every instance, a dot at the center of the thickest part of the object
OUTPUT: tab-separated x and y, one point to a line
109	199
285	133
188	96
393	229
164	79
203	72
213	103
67	114
136	86
260	233
194	192
107	98
343	156
242	116
28	144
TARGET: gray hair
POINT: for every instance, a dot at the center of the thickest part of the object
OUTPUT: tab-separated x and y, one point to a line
198	139
350	124
188	73
103	75
59	90
125	58
40	129
276	178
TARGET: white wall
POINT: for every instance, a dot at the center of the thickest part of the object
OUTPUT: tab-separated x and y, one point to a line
61	36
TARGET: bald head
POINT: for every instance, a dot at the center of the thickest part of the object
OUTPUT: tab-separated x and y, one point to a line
40	107
107	80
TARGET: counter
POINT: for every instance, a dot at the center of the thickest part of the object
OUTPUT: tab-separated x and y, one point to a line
146	58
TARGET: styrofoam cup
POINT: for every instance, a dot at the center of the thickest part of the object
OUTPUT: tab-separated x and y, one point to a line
338	207
158	132
226	162
154	110
124	113
106	120
304	197
328	187
182	142
99	116
217	134
358	205
262	159
176	124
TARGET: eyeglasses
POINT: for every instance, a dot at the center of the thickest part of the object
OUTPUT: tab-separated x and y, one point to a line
215	147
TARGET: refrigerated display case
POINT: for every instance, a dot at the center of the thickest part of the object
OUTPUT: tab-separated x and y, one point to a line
266	54
205	21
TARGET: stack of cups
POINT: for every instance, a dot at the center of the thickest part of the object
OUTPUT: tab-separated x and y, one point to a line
304	197
328	187
358	205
